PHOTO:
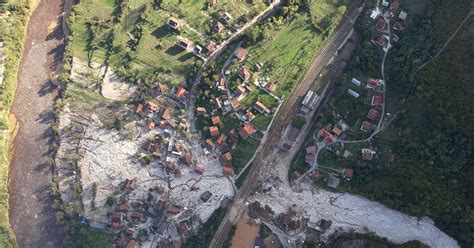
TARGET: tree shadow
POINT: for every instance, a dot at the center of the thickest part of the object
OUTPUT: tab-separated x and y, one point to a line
161	32
174	50
185	57
47	88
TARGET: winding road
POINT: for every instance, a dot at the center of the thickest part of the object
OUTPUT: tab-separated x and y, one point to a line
31	215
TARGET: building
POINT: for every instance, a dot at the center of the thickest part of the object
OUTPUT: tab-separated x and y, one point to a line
181	92
235	103
373	83
199	170
353	93
139	108
210	144
226	157
348	173
367	154
337	131
240	54
218	27
228	171
152	106
166	114
244	74
403	15
376	101
355	81
373	114
201	110
366	126
175	23
221	139
150	125
173	210
214	131
333	181
394	6
227	17
381	24
211	46
309	101
185	43
260	107
246	130
381	41
271	87
206	196
249	116
215	120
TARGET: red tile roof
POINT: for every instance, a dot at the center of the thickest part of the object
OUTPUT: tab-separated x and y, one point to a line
181	92
241	53
150	125
376	100
139	108
373	114
247	130
226	157
152	106
348	173
366	126
214	131
228	171
199	170
244	74
216	120
218	26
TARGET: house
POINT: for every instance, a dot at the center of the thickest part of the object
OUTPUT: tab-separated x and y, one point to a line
240	54
270	87
173	210
226	16
244	74
316	176
240	89
216	120
199	170
162	88
163	124
333	181
228	171
381	40
136	216
394	6
260	107
226	157
211	46
403	15
139	108
376	101
170	167
353	93
184	43
246	130
210	144
201	110
258	66
218	27
337	131
214	131
348	173
175	23
212	3
309	159
381	24
152	106
249	116
150	125
367	154
123	207
373	114
206	196
166	114
180	93
221	139
218	102
235	103
373	83
366	126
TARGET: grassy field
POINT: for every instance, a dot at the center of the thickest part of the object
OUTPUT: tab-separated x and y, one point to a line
12	33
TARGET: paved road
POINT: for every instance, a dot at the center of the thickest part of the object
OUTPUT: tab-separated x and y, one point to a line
266	158
31	215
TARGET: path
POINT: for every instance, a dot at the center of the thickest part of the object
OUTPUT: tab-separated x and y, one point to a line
31	214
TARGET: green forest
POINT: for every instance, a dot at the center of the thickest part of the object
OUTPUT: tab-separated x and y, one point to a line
432	135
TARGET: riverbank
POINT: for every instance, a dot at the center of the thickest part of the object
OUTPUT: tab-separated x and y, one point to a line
16	14
30	172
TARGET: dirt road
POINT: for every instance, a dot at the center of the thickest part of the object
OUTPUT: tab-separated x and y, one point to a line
31	215
262	167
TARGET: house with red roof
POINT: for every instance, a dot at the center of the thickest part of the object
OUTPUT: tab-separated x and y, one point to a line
247	130
240	54
244	74
180	93
366	126
373	114
214	131
228	171
376	101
